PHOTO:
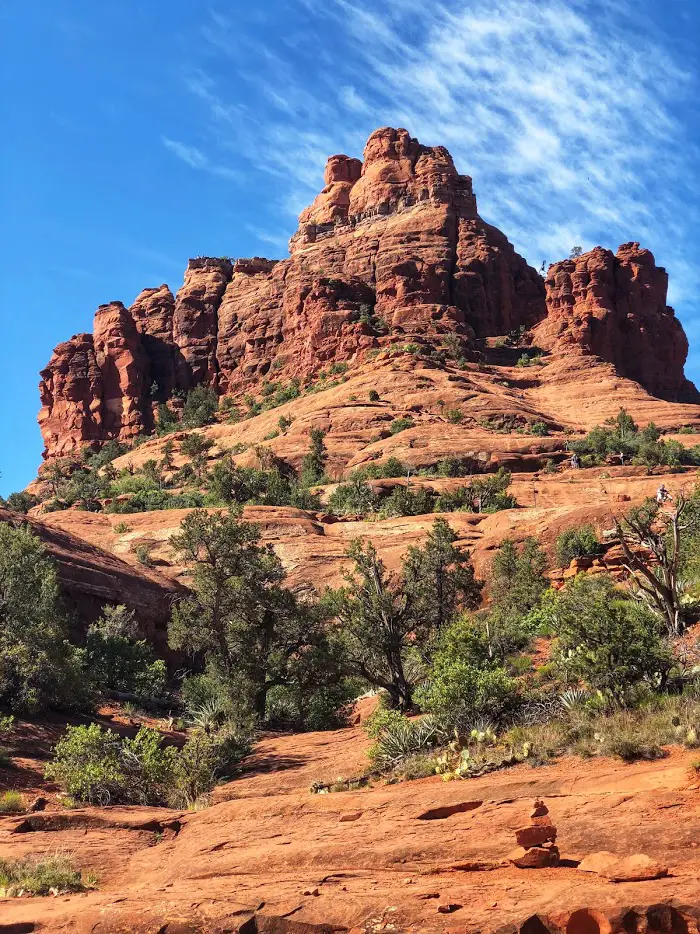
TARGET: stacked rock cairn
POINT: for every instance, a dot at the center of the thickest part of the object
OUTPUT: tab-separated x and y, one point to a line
536	842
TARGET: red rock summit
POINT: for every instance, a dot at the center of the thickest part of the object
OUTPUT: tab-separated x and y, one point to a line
614	306
392	250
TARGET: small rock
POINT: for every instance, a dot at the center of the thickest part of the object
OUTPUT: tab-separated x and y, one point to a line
636	868
425	895
311	892
535	835
536	857
446	908
350	816
38	804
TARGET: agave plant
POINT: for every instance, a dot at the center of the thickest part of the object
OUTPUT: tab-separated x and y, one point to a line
573	698
404	738
207	715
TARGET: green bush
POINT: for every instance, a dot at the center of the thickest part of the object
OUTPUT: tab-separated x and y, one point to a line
193	445
306	706
620	435
402	738
373	395
143	555
313	465
458	693
380	719
41	876
39	668
132	483
152	500
454	467
20	502
202	761
200	408
98	767
517	576
88	765
12	802
407	501
166	420
401	424
118	663
484	494
229	484
390	468
581	542
486	638
607	640
356	496
630	745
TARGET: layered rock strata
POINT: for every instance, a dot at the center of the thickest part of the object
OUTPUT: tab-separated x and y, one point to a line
613	306
392	250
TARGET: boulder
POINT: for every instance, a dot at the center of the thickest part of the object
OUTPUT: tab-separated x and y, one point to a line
536	857
635	868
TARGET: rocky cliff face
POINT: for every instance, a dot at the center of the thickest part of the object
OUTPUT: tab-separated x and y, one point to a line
614	306
391	250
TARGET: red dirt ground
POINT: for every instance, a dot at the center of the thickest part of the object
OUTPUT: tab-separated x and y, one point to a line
270	856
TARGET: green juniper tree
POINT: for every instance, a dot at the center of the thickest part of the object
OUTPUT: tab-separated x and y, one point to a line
439	579
39	668
313	467
375	624
251	630
387	620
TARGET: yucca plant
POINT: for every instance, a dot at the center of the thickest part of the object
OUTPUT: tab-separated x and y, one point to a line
404	738
573	698
207	715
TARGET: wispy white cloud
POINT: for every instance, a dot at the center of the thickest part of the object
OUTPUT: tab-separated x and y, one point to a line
351	100
196	159
567	113
272	238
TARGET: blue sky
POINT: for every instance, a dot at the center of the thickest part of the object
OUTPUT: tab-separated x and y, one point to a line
138	134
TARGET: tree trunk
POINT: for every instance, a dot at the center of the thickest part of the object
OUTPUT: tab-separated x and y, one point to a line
401	693
260	703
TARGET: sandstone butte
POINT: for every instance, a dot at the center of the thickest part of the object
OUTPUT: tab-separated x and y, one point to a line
391	253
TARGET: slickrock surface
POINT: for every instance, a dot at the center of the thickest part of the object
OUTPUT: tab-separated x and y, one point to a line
392	251
269	841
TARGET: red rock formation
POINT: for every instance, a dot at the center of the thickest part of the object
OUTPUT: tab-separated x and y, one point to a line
392	250
90	577
411	232
614	306
153	313
71	397
195	322
122	359
334	200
